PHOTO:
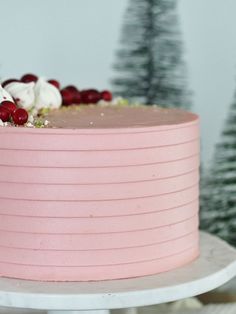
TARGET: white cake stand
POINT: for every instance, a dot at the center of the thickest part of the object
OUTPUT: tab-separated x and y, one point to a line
215	266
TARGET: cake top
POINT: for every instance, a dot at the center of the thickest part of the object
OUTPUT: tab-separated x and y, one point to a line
115	116
38	103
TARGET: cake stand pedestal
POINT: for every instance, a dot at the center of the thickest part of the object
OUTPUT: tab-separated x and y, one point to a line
215	266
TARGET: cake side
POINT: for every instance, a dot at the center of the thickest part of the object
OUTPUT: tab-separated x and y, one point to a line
98	203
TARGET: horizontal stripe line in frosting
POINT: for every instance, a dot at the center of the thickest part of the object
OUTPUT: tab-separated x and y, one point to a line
98	200
103	183
102	131
195	200
111	166
88	217
102	167
99	150
105	233
92	266
99	183
103	200
108	249
126	231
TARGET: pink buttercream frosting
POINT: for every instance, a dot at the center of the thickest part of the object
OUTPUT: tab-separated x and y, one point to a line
112	117
115	198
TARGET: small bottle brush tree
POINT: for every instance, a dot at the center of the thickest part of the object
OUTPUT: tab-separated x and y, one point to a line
149	66
218	201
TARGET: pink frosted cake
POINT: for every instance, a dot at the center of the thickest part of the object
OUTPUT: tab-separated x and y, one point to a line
101	192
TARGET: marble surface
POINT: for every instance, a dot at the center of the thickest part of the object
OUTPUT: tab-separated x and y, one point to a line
170	308
215	266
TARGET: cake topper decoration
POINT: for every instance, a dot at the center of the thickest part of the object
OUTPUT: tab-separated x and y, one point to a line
46	95
23	93
4	95
37	96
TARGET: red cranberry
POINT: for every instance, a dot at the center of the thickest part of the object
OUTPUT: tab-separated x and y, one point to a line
77	98
20	116
27	78
4	114
72	88
5	83
106	95
54	83
90	96
67	97
76	94
9	105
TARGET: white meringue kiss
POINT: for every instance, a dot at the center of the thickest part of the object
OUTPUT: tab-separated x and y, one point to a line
4	95
23	93
46	95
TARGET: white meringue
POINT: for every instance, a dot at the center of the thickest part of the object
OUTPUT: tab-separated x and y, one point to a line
46	95
4	95
23	93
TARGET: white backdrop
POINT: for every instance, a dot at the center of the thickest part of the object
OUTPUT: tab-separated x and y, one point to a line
74	41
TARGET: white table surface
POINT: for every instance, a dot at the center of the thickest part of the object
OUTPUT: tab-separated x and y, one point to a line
215	266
